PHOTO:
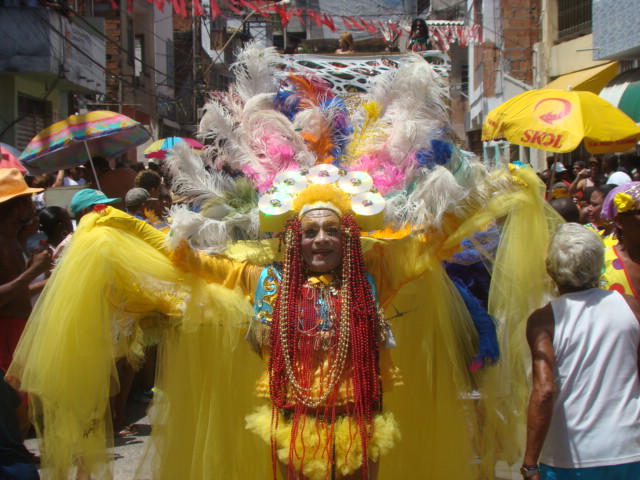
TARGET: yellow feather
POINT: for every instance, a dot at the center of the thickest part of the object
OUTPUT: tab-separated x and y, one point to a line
369	135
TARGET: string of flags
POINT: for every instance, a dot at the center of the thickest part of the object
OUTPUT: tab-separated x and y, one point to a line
442	34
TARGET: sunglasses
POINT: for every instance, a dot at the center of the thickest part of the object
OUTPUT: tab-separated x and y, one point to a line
630	212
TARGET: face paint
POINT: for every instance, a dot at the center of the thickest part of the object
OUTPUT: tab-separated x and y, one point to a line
321	240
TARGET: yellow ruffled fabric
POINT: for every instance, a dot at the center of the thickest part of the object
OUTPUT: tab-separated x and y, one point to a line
455	424
310	454
108	284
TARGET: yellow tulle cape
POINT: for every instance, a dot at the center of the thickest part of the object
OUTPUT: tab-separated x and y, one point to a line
111	282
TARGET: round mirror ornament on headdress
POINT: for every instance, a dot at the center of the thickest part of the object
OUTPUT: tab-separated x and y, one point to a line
321	187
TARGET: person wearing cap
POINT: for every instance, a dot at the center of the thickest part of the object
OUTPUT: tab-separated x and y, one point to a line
138	200
16	212
16	274
84	201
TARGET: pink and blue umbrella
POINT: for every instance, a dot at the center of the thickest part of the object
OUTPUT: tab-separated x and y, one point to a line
73	141
159	148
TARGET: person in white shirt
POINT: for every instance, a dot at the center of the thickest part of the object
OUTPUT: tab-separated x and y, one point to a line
584	411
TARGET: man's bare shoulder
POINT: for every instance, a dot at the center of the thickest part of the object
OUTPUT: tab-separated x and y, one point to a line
540	322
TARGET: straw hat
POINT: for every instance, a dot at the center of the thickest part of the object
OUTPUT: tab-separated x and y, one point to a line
12	185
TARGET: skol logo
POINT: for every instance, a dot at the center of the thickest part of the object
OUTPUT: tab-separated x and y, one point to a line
542	139
553	109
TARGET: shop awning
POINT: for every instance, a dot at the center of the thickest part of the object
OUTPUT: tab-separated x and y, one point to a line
589	80
624	92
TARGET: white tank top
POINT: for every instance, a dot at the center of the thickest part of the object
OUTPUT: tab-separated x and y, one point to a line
596	413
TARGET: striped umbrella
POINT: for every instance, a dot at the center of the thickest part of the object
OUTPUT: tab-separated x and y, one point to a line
159	148
73	141
624	92
9	158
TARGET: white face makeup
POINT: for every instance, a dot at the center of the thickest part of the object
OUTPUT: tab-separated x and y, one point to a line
321	240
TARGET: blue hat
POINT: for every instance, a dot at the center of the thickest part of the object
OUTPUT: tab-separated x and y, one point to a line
88	198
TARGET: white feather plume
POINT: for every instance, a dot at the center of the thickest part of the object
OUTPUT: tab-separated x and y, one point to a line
192	180
213	235
255	70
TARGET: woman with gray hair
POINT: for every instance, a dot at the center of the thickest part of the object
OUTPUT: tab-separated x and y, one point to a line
584	347
575	258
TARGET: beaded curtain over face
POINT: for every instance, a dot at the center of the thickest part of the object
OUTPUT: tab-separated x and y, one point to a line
353	350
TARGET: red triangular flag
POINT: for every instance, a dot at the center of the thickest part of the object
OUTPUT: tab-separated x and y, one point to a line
215	10
328	21
315	17
232	7
198	11
371	28
130	6
160	5
345	20
356	24
285	15
298	13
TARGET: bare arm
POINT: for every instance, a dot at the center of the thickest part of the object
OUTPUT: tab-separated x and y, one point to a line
39	264
578	183
59	181
540	339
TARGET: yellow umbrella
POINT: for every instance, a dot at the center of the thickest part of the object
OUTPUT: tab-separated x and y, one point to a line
558	120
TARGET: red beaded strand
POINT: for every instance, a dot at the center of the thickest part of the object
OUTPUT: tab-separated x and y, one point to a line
294	357
365	368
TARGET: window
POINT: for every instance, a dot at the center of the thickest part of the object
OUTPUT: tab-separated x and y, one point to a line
130	43
171	64
574	18
139	60
34	116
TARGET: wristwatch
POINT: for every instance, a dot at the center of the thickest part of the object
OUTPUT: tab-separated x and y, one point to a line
529	471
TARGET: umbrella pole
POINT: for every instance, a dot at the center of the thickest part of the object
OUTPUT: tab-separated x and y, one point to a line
552	176
95	174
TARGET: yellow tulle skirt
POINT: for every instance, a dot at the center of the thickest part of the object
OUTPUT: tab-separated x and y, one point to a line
112	287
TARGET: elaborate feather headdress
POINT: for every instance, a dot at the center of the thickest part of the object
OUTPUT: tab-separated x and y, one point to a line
267	126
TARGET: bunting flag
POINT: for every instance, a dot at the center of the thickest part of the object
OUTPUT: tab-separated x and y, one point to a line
215	10
442	34
371	28
356	24
198	11
298	13
284	13
176	6
315	17
328	21
230	4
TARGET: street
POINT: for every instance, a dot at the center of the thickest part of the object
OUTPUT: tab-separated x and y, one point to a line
127	450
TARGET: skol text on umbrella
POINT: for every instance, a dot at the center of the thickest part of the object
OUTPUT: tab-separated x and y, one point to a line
544	139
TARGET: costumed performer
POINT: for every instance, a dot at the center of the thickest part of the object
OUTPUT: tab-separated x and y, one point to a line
621	207
317	305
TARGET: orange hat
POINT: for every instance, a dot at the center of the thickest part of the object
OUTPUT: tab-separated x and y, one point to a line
12	185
